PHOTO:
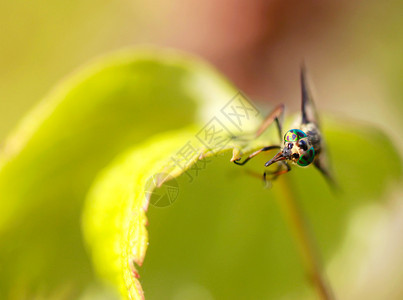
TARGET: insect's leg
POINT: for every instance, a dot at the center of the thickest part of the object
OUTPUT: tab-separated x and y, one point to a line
259	176
256	153
275	116
266	182
308	110
280	170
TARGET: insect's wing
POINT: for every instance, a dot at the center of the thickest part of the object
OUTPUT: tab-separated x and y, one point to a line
323	165
310	115
308	110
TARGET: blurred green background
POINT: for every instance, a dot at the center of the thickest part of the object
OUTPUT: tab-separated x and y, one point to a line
353	52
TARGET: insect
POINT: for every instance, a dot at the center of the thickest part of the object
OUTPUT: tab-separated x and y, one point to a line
303	145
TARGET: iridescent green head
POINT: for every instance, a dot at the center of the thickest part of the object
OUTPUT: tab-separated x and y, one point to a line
307	158
297	148
294	135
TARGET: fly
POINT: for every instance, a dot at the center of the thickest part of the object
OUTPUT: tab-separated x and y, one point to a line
303	145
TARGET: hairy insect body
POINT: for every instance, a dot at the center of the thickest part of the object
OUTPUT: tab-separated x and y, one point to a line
314	135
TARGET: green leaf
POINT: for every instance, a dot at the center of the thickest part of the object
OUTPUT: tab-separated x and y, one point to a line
116	211
225	237
48	164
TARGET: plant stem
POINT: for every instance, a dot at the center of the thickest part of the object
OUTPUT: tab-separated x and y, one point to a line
303	238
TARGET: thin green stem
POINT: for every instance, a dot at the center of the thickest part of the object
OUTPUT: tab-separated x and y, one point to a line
303	238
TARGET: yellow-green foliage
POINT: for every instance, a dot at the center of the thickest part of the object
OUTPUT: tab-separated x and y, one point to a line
223	237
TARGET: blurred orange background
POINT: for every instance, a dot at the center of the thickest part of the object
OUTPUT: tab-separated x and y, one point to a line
353	50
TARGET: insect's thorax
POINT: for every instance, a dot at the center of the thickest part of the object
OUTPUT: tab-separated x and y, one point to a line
314	135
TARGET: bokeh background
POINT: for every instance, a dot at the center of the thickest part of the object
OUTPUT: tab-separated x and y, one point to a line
353	51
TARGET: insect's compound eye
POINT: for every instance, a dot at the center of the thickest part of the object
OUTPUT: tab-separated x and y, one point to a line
302	144
307	158
294	135
290	145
